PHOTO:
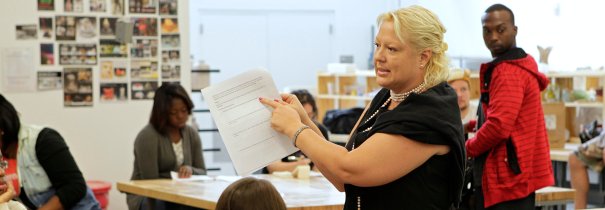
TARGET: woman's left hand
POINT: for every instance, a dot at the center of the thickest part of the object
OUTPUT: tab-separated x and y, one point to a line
285	119
185	172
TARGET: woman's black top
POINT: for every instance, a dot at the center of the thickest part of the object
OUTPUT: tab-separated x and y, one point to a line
431	117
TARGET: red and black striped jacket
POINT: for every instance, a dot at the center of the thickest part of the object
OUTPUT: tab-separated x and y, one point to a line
515	112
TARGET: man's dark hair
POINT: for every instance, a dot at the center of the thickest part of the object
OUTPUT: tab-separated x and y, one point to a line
162	102
500	7
9	124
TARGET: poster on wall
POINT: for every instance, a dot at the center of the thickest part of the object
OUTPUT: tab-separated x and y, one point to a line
50	80
168	7
65	28
170	56
46	28
19	74
117	7
26	32
110	48
97	5
86	28
46	5
113	71
171	72
107	27
113	92
143	90
170	25
77	54
171	42
73	5
144	48
144	26
143	70
47	54
142	6
77	90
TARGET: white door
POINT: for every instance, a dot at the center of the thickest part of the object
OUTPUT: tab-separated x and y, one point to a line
292	45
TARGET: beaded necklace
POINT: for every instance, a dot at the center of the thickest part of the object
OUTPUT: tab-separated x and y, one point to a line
397	97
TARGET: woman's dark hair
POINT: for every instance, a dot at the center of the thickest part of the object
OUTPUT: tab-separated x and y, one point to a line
9	124
162	102
306	98
244	195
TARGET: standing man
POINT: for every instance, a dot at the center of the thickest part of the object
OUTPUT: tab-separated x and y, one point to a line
510	148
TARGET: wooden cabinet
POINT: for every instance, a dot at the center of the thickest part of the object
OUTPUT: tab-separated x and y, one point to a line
345	90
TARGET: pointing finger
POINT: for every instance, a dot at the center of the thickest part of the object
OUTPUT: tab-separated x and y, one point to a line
268	102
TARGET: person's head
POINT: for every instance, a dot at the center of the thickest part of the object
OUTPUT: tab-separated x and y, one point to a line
308	102
410	49
499	29
460	80
171	108
250	194
9	125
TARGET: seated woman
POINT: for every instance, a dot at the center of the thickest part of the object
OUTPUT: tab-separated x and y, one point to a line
250	194
166	144
298	158
48	174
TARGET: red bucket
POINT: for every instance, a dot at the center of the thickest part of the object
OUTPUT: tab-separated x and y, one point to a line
101	191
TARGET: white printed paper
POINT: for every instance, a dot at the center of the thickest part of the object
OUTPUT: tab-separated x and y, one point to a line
244	123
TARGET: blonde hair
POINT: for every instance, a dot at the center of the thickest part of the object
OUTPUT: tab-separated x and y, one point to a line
460	74
422	29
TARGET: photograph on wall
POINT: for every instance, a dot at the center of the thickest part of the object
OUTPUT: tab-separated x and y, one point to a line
113	71
171	41
142	90
46	27
50	80
144	48
144	26
113	92
47	54
77	87
111	48
171	72
86	28
143	70
107	27
170	25
26	32
46	5
73	5
142	6
65	28
171	56
117	7
168	7
77	54
97	5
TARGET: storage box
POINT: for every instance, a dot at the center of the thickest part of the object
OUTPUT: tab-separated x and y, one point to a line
554	117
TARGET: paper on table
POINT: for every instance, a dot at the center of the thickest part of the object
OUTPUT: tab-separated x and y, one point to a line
244	123
175	176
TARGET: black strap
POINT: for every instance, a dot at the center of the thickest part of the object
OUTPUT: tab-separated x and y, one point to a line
512	54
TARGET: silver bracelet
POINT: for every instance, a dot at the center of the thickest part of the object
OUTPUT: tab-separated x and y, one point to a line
302	128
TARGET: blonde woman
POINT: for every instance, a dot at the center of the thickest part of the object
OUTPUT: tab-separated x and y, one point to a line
406	151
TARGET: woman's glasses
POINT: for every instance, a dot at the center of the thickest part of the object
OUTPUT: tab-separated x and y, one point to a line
3	164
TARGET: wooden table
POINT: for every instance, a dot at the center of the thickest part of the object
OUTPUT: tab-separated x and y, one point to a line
554	196
317	193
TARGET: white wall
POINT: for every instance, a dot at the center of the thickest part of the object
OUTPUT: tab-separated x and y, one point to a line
573	28
100	137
